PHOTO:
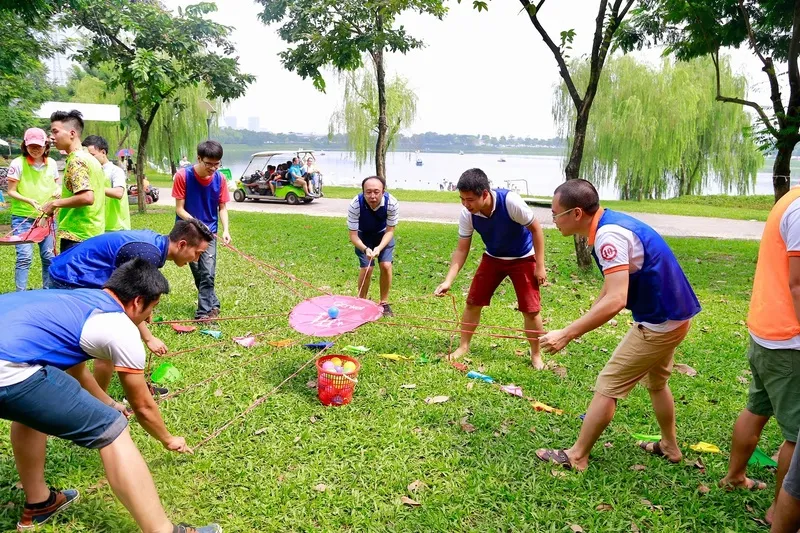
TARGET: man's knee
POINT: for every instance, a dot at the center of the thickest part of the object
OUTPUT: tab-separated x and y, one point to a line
385	266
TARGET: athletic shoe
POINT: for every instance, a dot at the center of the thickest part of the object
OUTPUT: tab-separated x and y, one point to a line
387	310
158	391
210	528
33	518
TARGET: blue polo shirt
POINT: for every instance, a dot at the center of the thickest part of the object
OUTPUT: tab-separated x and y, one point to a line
89	264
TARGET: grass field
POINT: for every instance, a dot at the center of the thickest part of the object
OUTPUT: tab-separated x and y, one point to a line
260	475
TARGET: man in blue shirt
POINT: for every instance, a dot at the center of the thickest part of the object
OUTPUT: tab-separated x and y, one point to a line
641	274
295	175
90	264
45	389
514	249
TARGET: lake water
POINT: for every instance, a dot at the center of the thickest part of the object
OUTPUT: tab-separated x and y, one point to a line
535	175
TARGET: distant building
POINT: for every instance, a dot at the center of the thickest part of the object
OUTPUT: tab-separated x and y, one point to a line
253	123
231	122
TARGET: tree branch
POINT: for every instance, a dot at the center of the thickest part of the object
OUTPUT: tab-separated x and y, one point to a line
562	65
794	71
764	118
750	35
598	36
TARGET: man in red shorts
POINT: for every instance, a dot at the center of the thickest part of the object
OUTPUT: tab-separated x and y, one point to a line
514	248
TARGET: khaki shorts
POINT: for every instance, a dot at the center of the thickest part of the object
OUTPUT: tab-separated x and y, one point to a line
643	355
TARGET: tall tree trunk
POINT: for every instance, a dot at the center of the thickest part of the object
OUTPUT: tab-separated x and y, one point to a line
141	158
170	151
781	169
583	252
383	123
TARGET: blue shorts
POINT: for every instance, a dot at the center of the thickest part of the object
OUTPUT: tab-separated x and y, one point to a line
371	241
53	402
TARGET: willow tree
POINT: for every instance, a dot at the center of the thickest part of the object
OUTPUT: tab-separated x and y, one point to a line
179	125
659	132
360	111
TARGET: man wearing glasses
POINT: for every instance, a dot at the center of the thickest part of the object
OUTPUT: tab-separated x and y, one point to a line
641	274
201	193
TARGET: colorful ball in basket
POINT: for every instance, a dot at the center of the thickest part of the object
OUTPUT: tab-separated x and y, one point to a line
336	388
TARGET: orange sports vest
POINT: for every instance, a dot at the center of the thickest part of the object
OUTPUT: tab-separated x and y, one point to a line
772	315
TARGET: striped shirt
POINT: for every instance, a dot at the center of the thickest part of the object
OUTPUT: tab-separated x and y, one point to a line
392	212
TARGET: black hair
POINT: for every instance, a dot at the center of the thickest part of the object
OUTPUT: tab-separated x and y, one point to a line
192	231
210	149
270	167
137	278
74	118
364	182
96	141
578	193
473	180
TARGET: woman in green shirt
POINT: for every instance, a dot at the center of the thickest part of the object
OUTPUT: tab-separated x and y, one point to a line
32	181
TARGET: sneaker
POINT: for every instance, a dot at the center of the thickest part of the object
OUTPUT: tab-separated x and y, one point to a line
210	528
32	518
387	310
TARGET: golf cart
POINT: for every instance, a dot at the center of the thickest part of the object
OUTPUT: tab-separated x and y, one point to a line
254	184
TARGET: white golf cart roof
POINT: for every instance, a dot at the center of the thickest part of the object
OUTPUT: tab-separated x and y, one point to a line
270	154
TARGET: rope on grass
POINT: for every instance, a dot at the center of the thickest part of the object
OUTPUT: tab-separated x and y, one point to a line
258	402
219	319
493	335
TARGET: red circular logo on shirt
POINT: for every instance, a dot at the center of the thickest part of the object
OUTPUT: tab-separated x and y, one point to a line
608	252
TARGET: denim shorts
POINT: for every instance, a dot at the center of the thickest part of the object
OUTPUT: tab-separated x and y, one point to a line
371	241
53	402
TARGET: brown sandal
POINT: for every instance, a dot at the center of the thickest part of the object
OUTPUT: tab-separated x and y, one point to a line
558	457
655	450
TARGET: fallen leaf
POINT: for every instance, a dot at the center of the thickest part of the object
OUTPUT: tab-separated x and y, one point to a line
408	501
560	371
9	505
634	528
519	353
575	528
325	288
321	487
461	367
749	509
436	399
613	322
297	439
218	393
470	385
481	369
743	380
260	431
415	485
466	427
649	504
702	489
604	507
313	419
608	445
685	369
311	384
558	473
638	468
416	431
18	484
409	386
532	430
604	350
698	463
382	392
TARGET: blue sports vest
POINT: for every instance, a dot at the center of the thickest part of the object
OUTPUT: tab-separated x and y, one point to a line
91	263
203	202
44	327
502	236
372	222
659	291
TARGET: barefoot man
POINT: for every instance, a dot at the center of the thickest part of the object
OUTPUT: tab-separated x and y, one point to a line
641	274
514	248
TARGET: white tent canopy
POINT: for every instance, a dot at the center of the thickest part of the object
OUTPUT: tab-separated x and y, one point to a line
97	112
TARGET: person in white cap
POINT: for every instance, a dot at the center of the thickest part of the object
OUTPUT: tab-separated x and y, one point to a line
32	181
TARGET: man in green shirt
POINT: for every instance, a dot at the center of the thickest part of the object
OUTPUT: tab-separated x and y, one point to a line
82	202
118	215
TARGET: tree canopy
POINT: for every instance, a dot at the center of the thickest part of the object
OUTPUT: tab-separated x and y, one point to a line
659	132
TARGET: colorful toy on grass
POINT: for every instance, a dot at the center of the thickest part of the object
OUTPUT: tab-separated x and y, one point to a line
165	373
333	312
477	375
313	317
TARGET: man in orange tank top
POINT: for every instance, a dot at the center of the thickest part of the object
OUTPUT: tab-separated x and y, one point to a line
774	350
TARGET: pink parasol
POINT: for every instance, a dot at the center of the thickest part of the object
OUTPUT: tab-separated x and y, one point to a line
311	316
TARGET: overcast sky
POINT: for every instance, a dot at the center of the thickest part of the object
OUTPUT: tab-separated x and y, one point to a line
486	72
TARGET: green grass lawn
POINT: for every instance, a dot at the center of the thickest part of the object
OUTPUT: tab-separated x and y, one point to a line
260	475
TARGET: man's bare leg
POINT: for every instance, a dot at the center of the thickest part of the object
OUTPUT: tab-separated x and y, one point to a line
386	281
29	448
534	321
469	323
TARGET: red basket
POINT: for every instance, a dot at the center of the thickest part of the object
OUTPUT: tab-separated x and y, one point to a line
336	389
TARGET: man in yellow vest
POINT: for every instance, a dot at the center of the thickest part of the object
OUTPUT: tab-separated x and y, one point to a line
118	214
774	351
82	203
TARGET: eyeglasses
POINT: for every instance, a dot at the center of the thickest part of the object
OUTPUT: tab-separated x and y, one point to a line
556	215
211	165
